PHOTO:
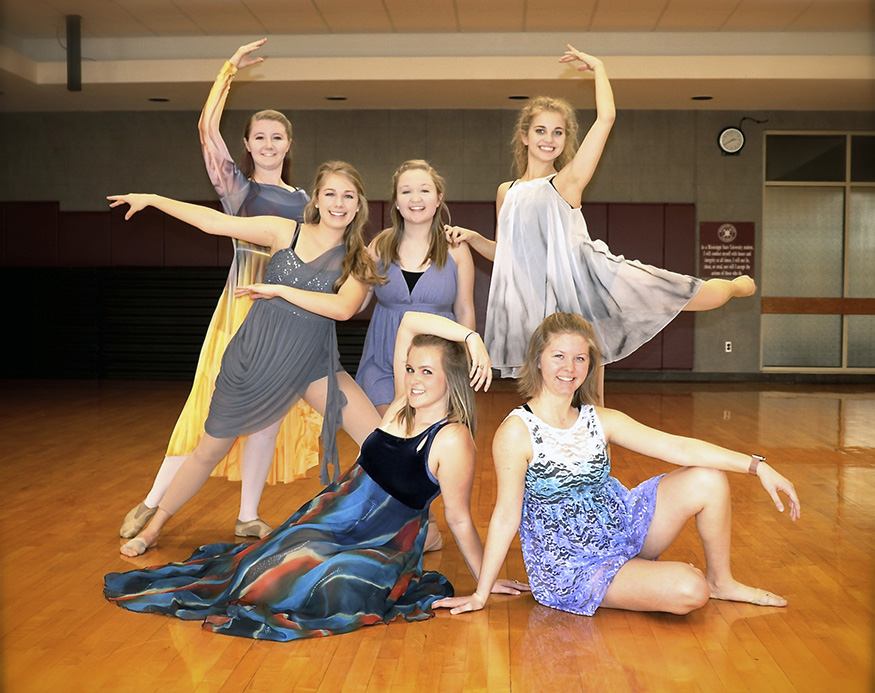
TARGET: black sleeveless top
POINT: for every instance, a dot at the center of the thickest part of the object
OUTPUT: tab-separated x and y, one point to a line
400	465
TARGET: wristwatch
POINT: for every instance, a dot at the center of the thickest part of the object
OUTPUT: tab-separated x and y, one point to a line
754	463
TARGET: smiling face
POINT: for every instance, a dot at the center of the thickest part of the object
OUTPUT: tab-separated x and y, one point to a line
337	201
268	143
564	363
417	196
545	138
425	381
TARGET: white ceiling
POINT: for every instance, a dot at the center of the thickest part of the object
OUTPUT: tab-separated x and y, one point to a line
746	54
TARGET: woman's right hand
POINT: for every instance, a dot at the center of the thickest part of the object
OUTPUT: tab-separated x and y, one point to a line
456	235
481	366
242	59
590	62
459	605
136	201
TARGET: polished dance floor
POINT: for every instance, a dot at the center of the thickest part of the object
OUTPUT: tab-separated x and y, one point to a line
77	455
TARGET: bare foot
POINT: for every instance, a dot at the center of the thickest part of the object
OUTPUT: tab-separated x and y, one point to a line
137	546
433	540
736	592
744	286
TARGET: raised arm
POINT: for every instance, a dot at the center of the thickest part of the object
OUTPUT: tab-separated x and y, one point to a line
511	452
414	323
220	165
571	180
273	232
691	452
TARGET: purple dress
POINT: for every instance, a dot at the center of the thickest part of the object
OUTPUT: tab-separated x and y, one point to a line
579	524
435	292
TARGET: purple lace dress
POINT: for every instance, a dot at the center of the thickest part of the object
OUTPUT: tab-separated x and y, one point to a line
579	524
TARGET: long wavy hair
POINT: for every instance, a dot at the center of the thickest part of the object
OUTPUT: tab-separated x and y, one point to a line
357	261
530	382
389	240
460	400
247	165
524	121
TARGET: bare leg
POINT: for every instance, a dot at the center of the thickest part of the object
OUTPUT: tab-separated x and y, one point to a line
677	587
360	417
169	467
141	513
255	466
188	481
716	292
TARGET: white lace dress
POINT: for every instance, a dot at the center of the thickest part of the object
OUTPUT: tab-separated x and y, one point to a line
579	524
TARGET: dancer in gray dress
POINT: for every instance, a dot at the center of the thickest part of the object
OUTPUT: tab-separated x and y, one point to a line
545	260
586	540
258	187
286	349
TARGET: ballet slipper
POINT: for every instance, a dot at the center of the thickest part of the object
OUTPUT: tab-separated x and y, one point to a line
253	528
135	520
137	545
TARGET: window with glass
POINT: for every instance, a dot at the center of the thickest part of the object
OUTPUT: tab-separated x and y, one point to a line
819	252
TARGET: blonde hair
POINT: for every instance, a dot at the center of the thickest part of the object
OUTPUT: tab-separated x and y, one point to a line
530	382
247	165
357	261
389	239
460	399
538	105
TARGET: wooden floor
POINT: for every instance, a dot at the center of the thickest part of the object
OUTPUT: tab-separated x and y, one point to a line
77	455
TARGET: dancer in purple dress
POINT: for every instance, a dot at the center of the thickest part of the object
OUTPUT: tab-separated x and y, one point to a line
587	541
424	274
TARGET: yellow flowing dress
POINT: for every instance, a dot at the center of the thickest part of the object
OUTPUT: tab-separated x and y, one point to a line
297	444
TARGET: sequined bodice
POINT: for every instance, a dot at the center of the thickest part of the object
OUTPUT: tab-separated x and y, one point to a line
286	268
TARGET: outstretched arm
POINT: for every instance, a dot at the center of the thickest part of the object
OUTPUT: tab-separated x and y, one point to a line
571	180
457	235
220	165
268	231
691	452
511	452
414	323
340	306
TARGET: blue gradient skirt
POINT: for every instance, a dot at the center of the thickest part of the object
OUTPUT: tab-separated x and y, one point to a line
351	557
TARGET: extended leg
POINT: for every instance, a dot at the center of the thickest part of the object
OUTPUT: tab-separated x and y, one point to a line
716	292
188	481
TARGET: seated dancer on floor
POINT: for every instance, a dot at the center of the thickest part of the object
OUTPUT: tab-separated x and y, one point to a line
352	556
587	541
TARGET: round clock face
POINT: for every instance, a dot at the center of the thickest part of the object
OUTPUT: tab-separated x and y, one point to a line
731	140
